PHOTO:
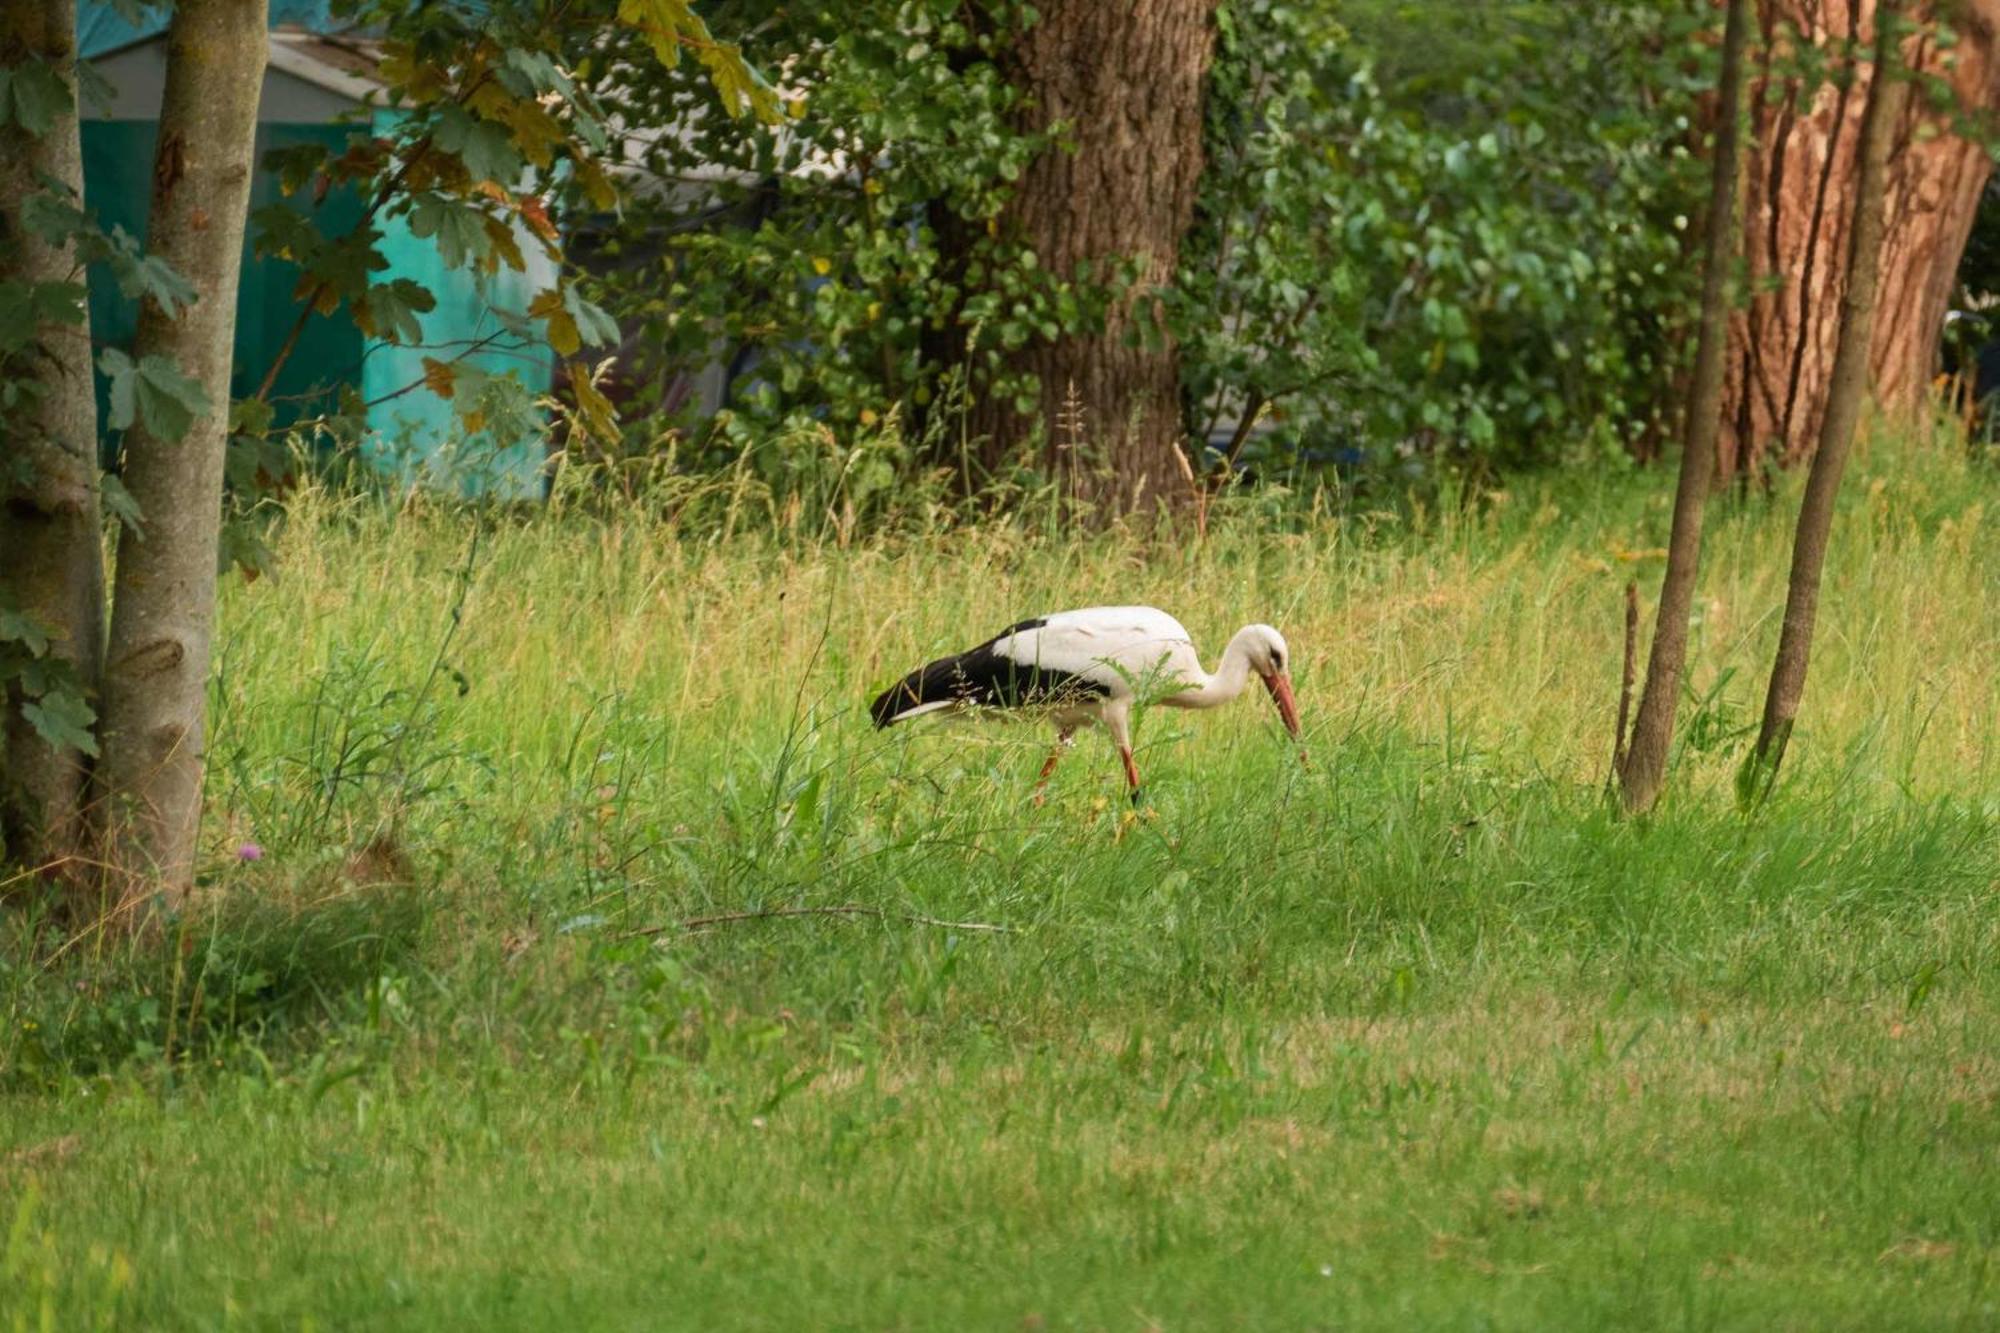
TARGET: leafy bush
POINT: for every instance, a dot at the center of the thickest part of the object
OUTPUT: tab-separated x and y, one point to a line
805	255
1481	259
1484	260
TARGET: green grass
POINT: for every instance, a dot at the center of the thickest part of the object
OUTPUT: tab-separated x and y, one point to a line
1420	1037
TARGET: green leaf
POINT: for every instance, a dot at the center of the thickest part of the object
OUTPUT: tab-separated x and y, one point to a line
32	96
251	416
119	502
533	72
667	24
486	149
143	276
22	628
64	719
118	368
460	228
243	548
95	90
342	269
282	231
593	323
389	311
27	308
54	219
295	164
152	391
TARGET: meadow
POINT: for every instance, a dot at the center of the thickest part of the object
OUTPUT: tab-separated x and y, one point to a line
1422	1036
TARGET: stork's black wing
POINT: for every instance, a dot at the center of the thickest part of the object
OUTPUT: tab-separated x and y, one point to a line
985	676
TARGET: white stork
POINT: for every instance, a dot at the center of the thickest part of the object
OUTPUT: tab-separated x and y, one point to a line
1077	667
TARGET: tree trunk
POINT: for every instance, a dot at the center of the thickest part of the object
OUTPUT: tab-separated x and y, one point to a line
163	596
1644	770
1125	80
50	534
1847	388
1803	173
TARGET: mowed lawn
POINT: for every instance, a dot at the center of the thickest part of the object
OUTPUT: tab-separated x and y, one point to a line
1418	1037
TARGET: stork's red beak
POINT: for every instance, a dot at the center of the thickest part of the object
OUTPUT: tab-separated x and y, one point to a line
1280	686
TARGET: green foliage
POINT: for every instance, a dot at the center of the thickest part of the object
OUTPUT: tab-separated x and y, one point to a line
812	249
668	25
389	310
153	392
56	217
32	95
494	130
53	699
1481	262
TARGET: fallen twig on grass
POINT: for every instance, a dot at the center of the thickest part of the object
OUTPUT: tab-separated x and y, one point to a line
843	909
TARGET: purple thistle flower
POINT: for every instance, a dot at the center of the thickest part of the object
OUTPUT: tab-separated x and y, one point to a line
249	851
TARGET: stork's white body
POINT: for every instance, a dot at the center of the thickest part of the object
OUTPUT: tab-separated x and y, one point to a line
1090	666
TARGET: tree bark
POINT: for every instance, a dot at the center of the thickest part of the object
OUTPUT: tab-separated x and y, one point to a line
1847	389
163	596
51	541
1803	172
1643	773
1125	80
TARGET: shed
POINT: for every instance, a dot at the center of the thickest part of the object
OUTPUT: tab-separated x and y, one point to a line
319	87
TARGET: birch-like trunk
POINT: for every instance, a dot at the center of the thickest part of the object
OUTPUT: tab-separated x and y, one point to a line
51	541
1848	388
1644	771
163	593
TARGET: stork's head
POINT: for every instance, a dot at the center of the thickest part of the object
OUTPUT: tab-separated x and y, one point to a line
1272	661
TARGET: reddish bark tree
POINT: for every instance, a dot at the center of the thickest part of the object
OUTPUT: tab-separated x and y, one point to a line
1126	83
1801	175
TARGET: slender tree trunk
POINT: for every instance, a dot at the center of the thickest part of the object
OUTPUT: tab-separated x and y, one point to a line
163	596
1644	770
1849	386
1804	166
1125	78
51	542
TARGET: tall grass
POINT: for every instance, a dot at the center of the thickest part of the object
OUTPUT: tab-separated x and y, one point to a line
1421	1036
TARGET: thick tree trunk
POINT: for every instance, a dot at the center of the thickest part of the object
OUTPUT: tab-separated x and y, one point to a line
51	543
1803	170
1125	78
163	596
1847	389
1644	770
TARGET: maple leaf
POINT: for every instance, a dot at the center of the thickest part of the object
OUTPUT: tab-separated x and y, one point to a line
440	378
535	212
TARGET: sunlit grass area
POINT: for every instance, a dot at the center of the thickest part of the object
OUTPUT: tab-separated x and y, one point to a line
1419	1036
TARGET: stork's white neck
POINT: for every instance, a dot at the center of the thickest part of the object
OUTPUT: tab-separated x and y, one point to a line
1230	677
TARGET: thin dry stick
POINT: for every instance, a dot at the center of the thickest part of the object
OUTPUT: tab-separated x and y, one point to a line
844	909
1625	686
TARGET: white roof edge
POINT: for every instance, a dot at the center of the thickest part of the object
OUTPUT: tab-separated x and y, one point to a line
288	59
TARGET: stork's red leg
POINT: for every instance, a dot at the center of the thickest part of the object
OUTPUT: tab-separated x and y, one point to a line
1131	771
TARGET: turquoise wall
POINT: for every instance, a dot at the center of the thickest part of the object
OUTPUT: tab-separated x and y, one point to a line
417	433
411	432
117	162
